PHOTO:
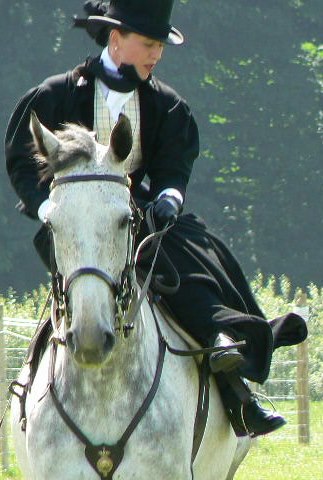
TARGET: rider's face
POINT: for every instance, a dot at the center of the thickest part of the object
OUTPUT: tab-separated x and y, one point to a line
134	49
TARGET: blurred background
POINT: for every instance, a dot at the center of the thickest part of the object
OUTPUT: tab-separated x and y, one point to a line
252	73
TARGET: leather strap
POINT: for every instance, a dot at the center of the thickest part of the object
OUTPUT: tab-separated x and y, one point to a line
202	410
92	271
204	351
155	238
107	456
157	280
90	178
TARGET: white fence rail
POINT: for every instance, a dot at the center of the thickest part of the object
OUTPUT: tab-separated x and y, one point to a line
15	336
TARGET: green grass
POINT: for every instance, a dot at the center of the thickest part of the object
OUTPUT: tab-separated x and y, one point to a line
11	474
278	456
282	461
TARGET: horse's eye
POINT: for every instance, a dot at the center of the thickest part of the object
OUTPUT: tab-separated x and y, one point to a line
124	221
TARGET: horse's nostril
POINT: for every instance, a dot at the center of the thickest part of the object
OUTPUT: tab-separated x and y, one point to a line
91	352
70	341
109	342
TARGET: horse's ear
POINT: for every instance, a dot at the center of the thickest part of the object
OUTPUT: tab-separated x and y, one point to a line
121	138
45	141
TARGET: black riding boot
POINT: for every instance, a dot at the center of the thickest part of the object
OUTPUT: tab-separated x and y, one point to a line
225	360
246	415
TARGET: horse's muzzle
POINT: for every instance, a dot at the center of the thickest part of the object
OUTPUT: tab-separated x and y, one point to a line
90	353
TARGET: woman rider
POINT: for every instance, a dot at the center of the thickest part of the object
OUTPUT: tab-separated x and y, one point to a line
221	308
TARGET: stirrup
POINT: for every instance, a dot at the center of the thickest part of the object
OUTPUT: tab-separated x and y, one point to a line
279	420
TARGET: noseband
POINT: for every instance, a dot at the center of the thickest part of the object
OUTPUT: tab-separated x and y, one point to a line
114	286
122	291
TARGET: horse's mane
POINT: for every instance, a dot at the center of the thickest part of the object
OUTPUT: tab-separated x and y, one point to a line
75	144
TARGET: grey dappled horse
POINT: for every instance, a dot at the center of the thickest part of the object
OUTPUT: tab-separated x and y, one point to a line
108	400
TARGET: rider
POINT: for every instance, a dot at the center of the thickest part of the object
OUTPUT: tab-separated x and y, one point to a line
221	308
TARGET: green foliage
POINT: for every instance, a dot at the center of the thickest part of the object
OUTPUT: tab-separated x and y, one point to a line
29	305
37	41
252	73
258	101
276	297
12	474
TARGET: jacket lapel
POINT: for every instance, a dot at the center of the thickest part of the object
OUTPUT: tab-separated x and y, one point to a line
149	118
80	107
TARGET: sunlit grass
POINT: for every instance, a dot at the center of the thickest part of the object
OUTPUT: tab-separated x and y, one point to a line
11	473
283	460
276	458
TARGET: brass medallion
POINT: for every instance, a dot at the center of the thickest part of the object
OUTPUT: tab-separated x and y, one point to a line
105	463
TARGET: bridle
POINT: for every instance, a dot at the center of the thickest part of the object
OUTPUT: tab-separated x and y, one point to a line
124	290
106	458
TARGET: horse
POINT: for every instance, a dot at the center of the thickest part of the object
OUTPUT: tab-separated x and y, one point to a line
108	399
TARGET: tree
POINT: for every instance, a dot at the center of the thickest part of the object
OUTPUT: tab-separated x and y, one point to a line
252	73
37	41
258	106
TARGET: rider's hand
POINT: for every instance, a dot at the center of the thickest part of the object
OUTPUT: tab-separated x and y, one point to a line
166	210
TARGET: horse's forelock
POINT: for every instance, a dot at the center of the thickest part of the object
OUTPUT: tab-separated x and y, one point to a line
75	145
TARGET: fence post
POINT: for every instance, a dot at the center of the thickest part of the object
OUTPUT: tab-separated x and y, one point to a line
303	404
3	396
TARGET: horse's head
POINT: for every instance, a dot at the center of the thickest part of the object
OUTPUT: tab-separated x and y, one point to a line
89	216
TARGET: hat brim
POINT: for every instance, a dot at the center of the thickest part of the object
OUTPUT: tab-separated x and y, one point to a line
175	37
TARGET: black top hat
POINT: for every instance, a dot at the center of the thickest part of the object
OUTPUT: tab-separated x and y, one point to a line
147	17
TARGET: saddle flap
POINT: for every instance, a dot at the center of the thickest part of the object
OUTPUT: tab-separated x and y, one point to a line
170	318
